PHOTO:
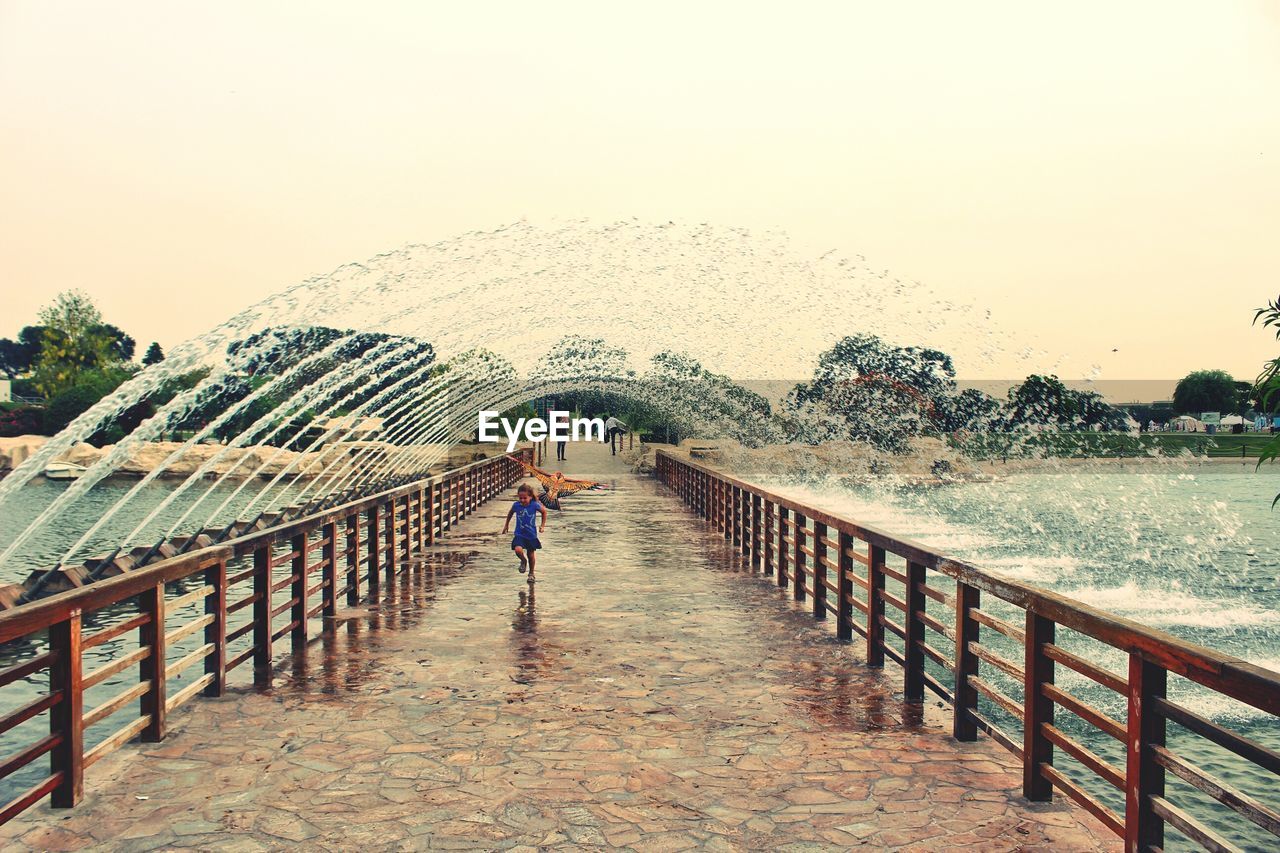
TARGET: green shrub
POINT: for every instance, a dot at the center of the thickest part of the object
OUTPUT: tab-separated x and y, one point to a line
79	398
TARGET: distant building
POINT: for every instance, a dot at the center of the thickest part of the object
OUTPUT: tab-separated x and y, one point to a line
6	394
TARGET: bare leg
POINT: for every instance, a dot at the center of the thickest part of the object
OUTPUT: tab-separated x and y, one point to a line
533	559
520	554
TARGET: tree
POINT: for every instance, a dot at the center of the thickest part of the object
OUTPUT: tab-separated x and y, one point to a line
680	394
969	410
575	357
864	389
1044	401
1146	414
16	357
928	372
154	355
14	360
120	346
1266	388
72	342
1207	391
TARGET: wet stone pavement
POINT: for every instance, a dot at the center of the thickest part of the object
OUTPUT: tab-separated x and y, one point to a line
644	692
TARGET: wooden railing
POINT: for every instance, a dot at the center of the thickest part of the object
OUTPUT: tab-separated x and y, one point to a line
953	628
196	618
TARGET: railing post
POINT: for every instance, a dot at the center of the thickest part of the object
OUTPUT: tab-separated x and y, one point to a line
1144	778
797	557
875	606
718	506
782	547
431	513
65	717
353	559
819	572
844	587
446	504
215	605
913	653
263	559
732	495
754	550
407	545
152	667
298	613
423	520
739	518
965	698
329	571
391	522
766	534
722	508
713	488
373	544
1037	708
731	513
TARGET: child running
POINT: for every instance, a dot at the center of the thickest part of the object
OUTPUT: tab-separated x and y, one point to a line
525	543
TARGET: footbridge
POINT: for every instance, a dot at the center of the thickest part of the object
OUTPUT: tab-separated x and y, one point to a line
699	663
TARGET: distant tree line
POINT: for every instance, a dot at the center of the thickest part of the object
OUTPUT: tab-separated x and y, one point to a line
71	358
864	389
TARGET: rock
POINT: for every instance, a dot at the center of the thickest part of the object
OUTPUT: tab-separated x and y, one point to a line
239	462
83	454
929	462
14	451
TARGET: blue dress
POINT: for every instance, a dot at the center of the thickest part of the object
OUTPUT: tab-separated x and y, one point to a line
526	525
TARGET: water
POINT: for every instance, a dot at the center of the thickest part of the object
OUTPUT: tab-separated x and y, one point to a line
1193	550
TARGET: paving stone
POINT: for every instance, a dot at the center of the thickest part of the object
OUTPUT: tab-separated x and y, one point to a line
646	692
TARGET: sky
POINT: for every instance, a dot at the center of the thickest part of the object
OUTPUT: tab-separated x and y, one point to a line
1102	175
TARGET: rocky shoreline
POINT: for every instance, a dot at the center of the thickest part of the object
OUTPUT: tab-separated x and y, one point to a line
930	463
238	462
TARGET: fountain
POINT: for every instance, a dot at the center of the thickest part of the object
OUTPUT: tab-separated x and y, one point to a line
433	333
371	377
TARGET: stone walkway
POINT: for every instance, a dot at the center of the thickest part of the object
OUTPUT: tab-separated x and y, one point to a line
646	692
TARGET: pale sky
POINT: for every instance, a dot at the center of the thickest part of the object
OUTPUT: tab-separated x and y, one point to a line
1102	175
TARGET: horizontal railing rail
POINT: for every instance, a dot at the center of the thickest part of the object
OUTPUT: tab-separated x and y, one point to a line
195	618
995	650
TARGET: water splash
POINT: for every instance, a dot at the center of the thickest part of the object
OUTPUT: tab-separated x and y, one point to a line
488	320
